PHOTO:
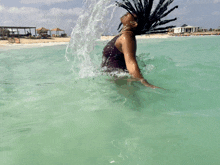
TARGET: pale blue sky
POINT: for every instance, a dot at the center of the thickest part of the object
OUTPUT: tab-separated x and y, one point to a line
64	13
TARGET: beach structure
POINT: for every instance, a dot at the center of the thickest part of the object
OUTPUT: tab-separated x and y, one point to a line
43	32
57	30
203	30
4	32
9	31
186	29
217	29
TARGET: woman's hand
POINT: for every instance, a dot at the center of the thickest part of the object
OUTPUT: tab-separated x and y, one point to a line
144	82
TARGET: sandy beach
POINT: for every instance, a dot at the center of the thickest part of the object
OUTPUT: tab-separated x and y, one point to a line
56	41
103	38
59	41
149	36
35	42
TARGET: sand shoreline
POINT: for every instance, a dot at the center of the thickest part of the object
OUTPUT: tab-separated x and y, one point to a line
35	42
64	41
103	38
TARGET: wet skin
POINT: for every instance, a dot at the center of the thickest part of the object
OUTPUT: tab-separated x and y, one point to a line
127	44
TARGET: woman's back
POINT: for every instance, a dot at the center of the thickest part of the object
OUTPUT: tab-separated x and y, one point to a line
112	58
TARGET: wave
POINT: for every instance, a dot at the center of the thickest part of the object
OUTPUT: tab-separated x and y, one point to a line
90	26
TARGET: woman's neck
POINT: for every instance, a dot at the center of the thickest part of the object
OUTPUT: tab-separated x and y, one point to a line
126	29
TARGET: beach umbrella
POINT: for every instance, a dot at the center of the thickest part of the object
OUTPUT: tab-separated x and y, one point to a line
57	30
42	30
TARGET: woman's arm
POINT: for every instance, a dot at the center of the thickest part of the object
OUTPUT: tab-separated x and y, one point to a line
128	43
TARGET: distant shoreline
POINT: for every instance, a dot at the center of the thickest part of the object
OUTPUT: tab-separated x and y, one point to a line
103	38
23	41
61	41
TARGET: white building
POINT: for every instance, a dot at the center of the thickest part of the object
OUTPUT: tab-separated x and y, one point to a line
186	29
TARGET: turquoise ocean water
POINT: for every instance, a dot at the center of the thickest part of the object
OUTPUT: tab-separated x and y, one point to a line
51	116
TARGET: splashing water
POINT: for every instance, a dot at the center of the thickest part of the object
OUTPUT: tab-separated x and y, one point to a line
90	26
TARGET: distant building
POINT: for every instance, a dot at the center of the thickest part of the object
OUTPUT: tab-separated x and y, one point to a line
9	31
186	29
218	29
203	30
4	32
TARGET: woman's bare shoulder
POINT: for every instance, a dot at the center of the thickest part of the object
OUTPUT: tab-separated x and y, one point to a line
127	36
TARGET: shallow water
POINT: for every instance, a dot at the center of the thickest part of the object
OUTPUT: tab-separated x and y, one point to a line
48	115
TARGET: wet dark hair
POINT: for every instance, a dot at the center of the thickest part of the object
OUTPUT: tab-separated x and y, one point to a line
148	21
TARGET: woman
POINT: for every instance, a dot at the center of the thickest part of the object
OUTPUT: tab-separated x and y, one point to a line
120	52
